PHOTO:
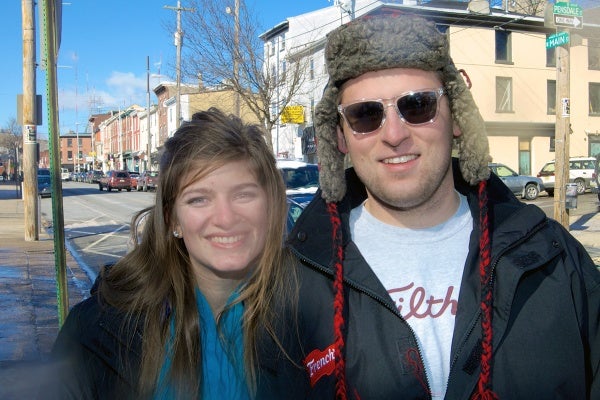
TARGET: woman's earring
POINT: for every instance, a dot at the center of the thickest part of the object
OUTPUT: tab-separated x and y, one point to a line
176	234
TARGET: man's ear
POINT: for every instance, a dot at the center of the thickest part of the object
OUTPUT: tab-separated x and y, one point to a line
456	132
341	141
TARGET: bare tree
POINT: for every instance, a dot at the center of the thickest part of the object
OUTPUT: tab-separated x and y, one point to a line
11	138
212	46
527	7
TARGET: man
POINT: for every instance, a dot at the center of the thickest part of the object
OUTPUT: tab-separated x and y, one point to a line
420	276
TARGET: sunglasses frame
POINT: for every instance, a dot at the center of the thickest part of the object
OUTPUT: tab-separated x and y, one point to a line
393	101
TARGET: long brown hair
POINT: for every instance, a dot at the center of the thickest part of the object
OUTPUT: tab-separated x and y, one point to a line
156	277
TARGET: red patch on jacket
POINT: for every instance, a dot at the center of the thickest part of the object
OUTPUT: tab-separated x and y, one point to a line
320	363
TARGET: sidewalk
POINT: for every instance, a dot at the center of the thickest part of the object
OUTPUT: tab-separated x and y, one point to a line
29	319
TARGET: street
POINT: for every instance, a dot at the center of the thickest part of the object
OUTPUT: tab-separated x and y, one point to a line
97	222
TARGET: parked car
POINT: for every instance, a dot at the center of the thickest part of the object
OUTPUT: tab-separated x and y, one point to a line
94	176
528	187
299	176
134	176
297	202
148	180
65	175
581	170
115	180
301	181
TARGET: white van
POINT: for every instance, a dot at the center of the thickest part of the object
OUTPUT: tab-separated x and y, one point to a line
581	171
65	175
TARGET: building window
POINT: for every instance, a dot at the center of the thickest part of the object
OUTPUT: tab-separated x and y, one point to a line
594	98
503	47
504	95
312	68
69	142
272	46
69	155
282	48
283	67
550	56
551	96
594	54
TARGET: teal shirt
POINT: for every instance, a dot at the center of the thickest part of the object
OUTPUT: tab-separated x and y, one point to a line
222	358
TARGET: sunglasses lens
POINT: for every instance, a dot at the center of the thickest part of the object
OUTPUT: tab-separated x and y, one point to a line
364	117
418	108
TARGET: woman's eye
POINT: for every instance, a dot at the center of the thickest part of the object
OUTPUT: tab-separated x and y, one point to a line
245	195
196	200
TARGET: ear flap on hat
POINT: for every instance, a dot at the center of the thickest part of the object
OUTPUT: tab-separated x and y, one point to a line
473	144
331	160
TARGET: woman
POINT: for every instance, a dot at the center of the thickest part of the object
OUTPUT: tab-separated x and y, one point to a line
179	315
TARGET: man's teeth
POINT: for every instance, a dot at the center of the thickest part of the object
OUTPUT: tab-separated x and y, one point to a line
399	160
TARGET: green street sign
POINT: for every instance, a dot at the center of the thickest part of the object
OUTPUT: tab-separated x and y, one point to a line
557	39
568	9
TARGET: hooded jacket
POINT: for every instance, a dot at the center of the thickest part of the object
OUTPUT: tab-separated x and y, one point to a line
546	313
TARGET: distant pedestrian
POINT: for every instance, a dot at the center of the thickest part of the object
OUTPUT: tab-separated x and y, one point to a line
178	316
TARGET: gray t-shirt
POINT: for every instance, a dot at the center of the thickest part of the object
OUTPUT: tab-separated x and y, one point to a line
421	270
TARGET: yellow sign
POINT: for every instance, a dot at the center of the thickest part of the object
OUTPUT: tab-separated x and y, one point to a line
293	114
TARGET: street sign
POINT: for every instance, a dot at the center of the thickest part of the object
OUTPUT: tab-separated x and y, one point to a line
568	9
567	21
293	114
557	39
568	15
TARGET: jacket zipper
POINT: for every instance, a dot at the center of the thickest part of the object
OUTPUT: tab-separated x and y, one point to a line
536	229
377	298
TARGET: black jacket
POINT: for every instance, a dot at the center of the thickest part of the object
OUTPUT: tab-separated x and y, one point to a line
546	320
96	355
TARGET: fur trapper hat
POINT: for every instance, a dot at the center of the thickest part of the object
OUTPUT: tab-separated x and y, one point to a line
378	43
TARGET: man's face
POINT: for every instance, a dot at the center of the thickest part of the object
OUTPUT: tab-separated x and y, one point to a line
406	168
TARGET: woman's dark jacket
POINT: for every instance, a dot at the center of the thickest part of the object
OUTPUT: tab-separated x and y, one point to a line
96	355
546	318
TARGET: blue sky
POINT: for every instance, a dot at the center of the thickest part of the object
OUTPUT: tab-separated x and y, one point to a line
102	58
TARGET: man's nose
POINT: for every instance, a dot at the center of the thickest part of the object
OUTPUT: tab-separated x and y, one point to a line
394	129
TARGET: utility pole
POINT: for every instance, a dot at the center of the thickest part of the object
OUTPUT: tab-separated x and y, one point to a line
149	138
178	44
29	161
562	131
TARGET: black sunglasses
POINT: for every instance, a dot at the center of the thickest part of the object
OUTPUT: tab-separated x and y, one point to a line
413	108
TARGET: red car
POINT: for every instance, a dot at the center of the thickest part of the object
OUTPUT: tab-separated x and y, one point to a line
148	180
115	180
134	176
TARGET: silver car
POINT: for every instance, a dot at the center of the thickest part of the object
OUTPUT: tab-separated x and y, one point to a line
528	187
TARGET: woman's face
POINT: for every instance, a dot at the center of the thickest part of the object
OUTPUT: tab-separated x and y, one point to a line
222	219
